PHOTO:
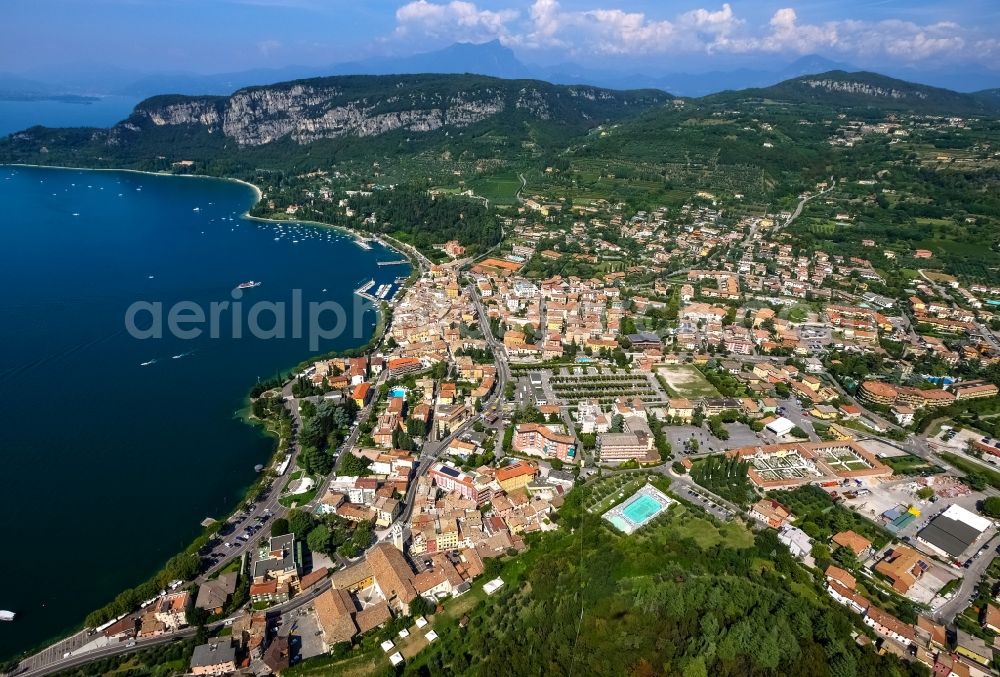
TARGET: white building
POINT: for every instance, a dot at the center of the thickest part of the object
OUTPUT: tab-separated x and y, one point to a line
797	541
780	426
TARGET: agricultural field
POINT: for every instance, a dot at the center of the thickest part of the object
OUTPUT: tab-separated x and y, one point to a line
687	381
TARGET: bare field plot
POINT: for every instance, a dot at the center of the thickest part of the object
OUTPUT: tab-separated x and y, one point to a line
687	381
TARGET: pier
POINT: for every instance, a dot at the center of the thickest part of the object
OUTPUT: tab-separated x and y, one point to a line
393	263
362	291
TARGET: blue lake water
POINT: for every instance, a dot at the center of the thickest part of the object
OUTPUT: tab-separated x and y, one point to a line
106	111
108	465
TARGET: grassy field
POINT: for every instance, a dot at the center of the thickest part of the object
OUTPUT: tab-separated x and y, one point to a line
685	522
687	381
911	465
499	188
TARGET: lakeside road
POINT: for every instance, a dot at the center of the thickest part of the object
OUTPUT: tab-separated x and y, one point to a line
65	663
61	655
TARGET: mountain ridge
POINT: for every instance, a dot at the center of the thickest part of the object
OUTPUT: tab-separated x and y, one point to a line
349	116
335	115
863	89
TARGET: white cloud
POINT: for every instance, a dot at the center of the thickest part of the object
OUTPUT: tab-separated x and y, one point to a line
902	40
457	20
614	31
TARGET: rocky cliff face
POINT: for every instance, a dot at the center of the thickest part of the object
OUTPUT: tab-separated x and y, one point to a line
864	88
308	111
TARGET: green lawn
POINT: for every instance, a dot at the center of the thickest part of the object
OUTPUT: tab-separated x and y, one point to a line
499	189
911	465
685	522
298	499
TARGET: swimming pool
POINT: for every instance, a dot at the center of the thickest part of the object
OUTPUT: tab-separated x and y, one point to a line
638	509
642	509
397	392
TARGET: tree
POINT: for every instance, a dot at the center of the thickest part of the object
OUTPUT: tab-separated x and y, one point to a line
194	616
352	465
696	668
977	481
416	427
421	607
300	523
926	492
991	506
279	527
319	539
821	553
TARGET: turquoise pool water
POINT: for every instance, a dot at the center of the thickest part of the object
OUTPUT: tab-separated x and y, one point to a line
642	509
397	392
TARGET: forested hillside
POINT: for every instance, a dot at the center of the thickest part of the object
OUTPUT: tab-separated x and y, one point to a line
682	597
859	91
294	124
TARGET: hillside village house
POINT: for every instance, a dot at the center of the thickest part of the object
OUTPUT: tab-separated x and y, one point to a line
217	657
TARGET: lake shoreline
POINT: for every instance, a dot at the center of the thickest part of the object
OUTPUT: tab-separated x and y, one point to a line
258	196
254	187
413	257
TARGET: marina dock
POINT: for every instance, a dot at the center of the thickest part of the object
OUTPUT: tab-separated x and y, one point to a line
362	291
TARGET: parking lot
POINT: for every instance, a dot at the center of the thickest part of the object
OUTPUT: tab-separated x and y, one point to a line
694	494
678	435
740	435
304	625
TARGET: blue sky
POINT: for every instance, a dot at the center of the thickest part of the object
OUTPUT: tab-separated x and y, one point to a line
211	36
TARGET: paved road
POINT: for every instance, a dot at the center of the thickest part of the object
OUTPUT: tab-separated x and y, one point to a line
967	590
140	644
802	204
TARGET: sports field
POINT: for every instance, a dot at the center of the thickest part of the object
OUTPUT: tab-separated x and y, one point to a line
687	381
499	188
